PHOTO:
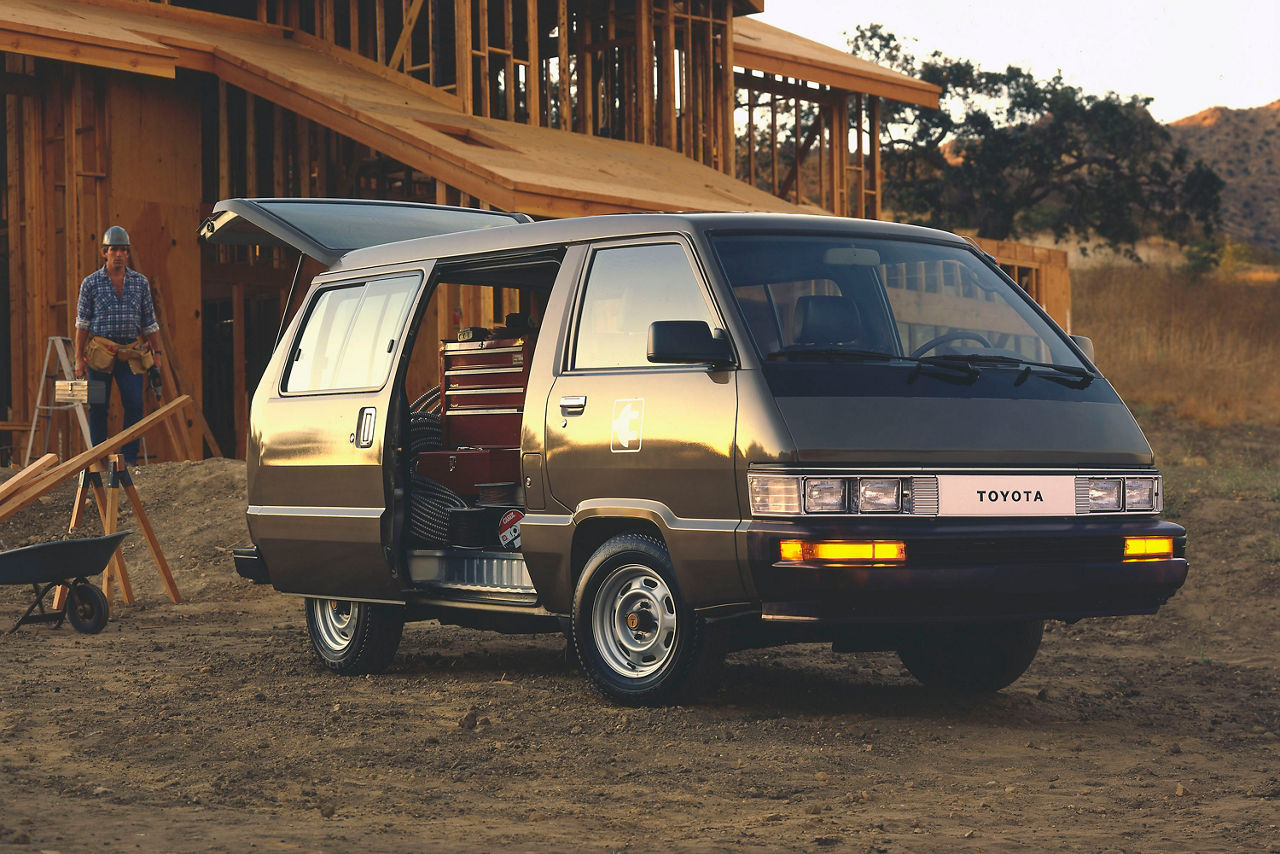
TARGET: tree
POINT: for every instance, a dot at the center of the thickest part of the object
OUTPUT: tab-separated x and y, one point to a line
1009	155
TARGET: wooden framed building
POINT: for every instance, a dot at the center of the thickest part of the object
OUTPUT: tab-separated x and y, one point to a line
144	112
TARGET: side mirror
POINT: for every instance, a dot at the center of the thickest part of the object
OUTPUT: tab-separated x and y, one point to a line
687	342
1086	346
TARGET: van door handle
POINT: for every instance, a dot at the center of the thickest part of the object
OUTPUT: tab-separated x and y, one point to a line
364	427
573	404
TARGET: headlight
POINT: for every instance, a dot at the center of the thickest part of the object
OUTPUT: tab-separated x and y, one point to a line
1124	494
879	495
1105	493
1140	493
824	495
774	494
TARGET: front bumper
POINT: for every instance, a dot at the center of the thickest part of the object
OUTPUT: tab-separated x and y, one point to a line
959	570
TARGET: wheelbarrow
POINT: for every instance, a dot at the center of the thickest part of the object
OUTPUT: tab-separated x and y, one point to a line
48	565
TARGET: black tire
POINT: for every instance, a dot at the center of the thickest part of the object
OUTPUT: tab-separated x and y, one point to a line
635	637
979	657
87	608
354	638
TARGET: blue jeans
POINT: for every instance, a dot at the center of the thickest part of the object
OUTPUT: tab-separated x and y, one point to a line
130	397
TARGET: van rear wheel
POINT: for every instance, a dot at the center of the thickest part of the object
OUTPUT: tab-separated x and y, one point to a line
635	637
354	638
979	657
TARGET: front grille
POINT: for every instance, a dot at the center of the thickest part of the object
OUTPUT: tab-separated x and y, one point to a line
1012	550
924	495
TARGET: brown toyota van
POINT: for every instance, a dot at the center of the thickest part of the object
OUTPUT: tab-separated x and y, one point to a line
669	436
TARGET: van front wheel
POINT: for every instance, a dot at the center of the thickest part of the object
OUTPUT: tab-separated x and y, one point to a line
354	638
979	657
635	637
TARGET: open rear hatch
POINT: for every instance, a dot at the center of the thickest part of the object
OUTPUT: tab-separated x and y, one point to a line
327	229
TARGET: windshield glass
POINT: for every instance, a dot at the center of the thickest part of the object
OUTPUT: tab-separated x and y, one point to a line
808	296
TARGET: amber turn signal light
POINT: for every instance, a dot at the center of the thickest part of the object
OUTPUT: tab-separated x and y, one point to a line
1148	548
844	551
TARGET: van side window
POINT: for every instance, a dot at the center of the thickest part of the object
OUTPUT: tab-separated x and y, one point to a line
348	340
627	289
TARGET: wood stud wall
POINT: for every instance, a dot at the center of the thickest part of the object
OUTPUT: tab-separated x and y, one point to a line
792	144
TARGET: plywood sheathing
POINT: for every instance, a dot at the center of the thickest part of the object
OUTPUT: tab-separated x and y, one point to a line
56	31
760	47
509	165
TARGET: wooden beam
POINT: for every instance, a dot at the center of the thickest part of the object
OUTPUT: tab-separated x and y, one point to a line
26	475
60	474
140	58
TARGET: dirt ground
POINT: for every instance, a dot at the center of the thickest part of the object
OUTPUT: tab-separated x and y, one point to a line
207	726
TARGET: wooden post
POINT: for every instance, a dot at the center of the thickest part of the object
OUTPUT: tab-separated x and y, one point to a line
585	77
667	77
71	184
874	144
240	404
840	156
178	382
462	50
644	71
563	81
727	93
533	76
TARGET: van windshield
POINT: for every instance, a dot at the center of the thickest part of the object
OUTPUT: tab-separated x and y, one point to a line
850	298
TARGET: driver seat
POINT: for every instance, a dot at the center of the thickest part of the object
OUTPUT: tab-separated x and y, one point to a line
827	320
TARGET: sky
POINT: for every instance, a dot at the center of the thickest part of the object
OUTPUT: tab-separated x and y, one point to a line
1186	56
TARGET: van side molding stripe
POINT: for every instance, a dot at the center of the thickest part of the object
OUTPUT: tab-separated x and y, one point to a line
326	512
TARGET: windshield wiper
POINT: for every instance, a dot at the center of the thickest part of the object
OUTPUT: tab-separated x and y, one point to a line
1080	376
853	355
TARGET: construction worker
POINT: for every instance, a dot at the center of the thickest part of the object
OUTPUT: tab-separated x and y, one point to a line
113	315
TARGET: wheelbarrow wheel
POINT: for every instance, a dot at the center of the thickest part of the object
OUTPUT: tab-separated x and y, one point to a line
87	608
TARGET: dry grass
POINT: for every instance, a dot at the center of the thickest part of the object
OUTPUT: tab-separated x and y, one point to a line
1209	348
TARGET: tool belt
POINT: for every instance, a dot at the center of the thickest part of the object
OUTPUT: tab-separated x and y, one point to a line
102	354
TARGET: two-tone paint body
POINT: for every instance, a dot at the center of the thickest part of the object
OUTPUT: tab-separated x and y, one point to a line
324	510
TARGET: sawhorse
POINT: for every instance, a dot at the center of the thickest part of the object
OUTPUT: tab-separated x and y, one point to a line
107	498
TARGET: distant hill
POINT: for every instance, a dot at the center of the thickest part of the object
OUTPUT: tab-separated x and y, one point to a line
1243	147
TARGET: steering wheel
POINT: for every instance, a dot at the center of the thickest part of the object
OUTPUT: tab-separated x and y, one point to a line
933	343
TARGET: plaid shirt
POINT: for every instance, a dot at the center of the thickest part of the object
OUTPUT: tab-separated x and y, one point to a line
101	312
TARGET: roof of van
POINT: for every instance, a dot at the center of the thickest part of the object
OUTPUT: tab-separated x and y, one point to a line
550	233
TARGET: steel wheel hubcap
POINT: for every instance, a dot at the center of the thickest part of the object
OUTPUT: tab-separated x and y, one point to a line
334	620
633	621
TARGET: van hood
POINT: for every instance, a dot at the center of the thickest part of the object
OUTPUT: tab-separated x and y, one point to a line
992	423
